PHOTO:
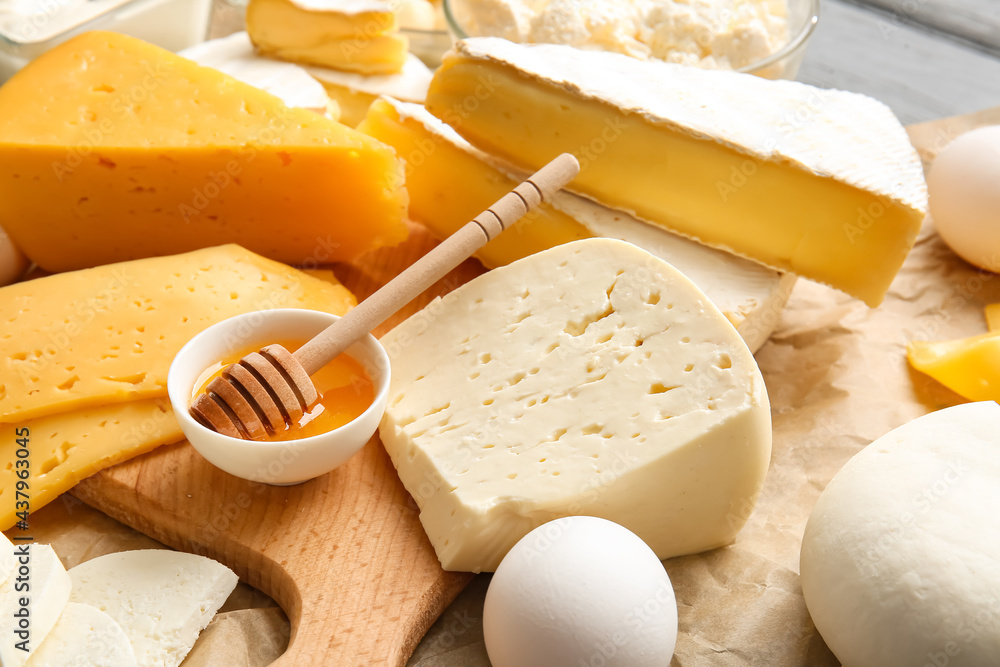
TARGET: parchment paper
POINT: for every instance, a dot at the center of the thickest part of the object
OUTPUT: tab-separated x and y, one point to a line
837	377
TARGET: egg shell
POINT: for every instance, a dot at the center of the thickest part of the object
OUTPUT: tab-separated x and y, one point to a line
580	591
964	194
13	263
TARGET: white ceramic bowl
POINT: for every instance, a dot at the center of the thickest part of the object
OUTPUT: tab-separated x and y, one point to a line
279	462
782	64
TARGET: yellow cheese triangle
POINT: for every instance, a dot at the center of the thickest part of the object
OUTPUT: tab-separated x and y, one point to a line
106	335
114	149
67	448
968	366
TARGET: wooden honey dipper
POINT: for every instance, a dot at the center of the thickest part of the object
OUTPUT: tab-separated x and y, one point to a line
266	391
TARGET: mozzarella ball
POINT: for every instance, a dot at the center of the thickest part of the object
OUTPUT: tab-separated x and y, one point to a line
964	190
580	591
900	561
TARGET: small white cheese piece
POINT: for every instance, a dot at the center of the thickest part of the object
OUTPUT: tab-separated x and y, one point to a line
40	578
589	379
899	562
84	636
234	55
161	599
410	84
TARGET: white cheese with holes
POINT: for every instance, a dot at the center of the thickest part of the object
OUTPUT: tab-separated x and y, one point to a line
900	558
234	55
161	599
41	578
84	636
589	379
751	296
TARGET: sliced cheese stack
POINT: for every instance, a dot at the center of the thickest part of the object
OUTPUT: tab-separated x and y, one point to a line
353	35
589	379
450	182
161	599
355	93
820	183
114	149
84	636
84	367
234	55
41	578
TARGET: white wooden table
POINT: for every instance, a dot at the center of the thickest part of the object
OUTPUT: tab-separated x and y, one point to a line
926	59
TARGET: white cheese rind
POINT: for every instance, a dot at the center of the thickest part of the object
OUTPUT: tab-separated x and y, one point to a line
845	136
899	557
751	296
84	636
234	55
46	584
592	378
161	599
410	84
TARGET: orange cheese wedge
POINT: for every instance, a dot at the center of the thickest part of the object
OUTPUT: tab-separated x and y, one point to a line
112	149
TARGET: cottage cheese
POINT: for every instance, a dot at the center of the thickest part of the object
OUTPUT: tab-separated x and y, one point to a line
723	34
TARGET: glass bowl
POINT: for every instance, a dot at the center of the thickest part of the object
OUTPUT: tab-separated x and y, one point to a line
782	64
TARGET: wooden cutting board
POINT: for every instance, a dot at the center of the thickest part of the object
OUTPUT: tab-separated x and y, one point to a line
344	555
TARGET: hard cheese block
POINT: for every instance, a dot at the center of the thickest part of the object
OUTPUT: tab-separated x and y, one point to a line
820	183
114	149
450	182
107	335
84	636
353	35
355	93
69	447
161	599
47	587
234	55
593	379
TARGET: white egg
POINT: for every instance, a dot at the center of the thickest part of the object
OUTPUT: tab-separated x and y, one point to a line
964	190
12	261
580	592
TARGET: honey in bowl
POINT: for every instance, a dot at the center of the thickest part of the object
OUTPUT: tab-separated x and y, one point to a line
344	387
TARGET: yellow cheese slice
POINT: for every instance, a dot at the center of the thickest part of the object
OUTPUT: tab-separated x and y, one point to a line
968	366
822	184
113	149
67	448
993	317
352	35
448	187
109	334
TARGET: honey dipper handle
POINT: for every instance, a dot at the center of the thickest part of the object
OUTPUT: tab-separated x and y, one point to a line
433	266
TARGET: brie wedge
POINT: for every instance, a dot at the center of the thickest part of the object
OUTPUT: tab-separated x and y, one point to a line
820	183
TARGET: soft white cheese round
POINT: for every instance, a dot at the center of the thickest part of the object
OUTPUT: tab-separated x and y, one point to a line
964	190
900	561
580	591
